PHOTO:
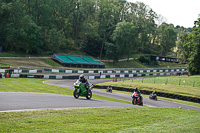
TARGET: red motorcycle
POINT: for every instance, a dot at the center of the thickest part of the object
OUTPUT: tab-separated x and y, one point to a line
136	99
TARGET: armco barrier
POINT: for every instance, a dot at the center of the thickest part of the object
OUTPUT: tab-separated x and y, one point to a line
44	76
138	75
162	94
95	77
131	71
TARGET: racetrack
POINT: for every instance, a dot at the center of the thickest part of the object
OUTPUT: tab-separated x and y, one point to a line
147	101
19	101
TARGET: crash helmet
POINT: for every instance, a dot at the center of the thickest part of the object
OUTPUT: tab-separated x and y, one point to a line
136	89
81	76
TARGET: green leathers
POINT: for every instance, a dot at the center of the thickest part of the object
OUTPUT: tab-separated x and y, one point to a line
80	90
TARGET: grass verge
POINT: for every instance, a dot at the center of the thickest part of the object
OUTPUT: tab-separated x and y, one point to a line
37	86
159	97
129	119
52	63
172	86
124	64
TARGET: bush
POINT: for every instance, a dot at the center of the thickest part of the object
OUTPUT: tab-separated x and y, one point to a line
145	60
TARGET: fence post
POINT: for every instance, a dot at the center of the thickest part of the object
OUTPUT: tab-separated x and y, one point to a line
154	80
166	81
142	80
180	82
193	83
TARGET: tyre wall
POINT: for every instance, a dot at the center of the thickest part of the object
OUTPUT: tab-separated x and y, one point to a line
162	94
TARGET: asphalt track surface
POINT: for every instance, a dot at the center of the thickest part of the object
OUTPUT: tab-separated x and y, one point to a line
125	97
20	101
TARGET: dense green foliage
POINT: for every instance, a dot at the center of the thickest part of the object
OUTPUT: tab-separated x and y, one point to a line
145	60
189	48
93	26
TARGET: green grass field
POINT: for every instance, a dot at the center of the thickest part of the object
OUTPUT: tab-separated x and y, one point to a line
125	64
37	85
129	119
185	88
51	63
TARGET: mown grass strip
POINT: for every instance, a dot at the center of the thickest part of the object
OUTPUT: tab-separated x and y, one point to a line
31	85
129	119
148	84
37	85
163	98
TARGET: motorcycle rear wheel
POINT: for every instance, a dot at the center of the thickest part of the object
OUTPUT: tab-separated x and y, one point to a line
76	95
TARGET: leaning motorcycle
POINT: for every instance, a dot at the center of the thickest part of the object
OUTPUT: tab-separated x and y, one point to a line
136	100
153	96
80	90
109	89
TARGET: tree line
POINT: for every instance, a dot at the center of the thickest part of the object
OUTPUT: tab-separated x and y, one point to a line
100	28
188	47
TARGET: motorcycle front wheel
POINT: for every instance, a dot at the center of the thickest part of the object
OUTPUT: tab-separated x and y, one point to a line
89	95
76	95
133	102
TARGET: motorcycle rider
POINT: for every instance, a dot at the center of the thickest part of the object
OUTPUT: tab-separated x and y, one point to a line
83	80
153	93
109	89
138	93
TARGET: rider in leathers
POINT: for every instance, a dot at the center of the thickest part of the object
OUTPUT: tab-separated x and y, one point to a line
83	80
138	93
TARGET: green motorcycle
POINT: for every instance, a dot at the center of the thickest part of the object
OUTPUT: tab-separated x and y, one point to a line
80	90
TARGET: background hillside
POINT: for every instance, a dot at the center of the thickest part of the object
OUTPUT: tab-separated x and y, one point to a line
26	60
103	29
93	27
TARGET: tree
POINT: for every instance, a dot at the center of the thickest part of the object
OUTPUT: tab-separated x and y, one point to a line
91	45
124	37
192	48
55	41
143	17
112	52
182	54
108	16
30	38
167	37
32	26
